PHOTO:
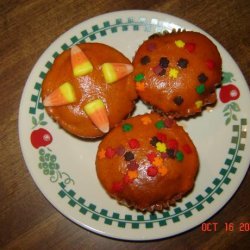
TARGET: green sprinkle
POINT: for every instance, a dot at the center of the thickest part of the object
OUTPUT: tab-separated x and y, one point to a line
179	156
160	124
127	127
200	89
139	77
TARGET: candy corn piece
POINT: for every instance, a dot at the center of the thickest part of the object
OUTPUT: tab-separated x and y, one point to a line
96	111
114	71
63	95
80	63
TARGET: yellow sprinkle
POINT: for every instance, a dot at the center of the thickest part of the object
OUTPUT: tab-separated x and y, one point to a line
161	147
198	104
157	161
101	154
179	43
132	174
162	170
173	73
146	120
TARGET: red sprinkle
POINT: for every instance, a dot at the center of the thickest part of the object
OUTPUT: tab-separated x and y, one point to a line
169	122
151	47
151	156
152	171
190	47
157	69
110	152
186	148
133	143
172	143
120	150
117	186
210	64
162	137
164	155
132	165
126	179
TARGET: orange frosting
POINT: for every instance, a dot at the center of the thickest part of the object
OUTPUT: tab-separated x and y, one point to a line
118	97
147	162
177	73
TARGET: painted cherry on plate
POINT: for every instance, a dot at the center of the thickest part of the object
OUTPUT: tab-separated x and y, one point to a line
228	93
40	138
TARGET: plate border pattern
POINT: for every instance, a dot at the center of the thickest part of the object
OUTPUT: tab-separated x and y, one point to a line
215	188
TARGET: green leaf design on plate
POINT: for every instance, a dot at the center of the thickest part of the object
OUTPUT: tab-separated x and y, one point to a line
229	110
227	77
39	121
48	163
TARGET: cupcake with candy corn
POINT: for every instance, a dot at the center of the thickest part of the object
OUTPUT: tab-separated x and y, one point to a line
87	91
177	72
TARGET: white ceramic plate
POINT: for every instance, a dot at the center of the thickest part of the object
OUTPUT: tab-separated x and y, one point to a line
63	167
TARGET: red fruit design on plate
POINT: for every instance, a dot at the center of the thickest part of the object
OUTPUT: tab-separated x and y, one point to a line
40	138
228	93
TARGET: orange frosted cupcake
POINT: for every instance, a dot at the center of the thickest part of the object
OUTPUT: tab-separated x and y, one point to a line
87	91
147	162
177	72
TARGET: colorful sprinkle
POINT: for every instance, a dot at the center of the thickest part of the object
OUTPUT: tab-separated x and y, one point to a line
152	171
179	43
162	170
164	155
182	63
132	165
162	73
146	120
161	137
126	179
127	127
133	143
190	47
171	153
145	60
157	69
173	73
179	156
161	147
200	89
117	187
210	64
151	47
186	148
110	152
169	122
154	140
129	156
133	174
102	154
202	78
178	100
151	156
157	161
140	86
199	104
160	124
139	77
172	143
164	62
120	150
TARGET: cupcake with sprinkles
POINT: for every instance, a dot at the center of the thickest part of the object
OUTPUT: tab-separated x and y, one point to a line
148	162
177	72
87	92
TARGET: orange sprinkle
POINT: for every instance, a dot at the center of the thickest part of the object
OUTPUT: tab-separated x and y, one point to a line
162	170
101	154
140	86
157	161
146	120
132	174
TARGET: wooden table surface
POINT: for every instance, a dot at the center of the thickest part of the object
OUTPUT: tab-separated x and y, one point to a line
27	219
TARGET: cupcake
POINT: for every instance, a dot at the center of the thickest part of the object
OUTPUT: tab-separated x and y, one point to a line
177	72
148	162
87	91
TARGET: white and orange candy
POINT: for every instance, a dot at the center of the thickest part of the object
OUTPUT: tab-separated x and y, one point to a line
80	62
114	71
97	113
63	95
